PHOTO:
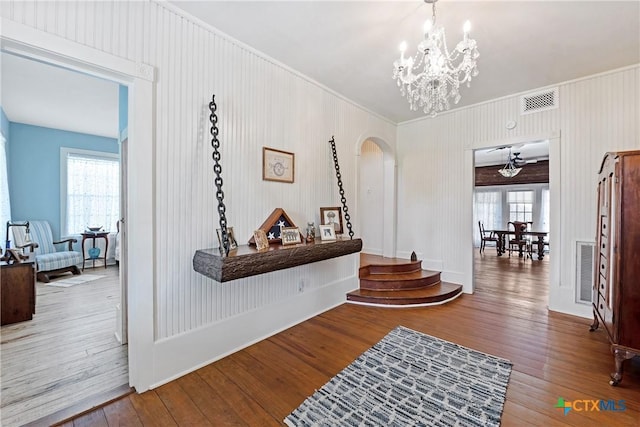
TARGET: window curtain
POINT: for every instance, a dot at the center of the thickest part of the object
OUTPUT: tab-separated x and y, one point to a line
5	203
93	193
545	209
487	208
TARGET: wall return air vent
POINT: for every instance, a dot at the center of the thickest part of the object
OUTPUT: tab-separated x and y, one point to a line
539	101
584	271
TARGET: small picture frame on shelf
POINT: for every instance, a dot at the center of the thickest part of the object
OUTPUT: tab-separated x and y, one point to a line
332	216
260	237
290	235
233	243
327	232
277	165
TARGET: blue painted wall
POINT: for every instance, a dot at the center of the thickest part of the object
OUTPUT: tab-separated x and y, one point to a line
5	128
123	111
4	124
34	169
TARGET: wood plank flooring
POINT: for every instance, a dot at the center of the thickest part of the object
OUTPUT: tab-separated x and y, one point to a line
67	353
554	356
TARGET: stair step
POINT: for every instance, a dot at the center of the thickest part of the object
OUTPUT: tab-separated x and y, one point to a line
391	268
396	281
436	294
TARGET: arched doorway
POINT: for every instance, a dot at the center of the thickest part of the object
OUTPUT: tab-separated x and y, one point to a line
377	174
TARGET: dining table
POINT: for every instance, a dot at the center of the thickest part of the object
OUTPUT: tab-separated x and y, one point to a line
501	244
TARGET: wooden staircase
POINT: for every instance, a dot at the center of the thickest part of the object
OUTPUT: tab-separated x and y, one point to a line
397	282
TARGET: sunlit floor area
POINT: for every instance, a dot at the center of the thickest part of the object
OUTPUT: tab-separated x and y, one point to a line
512	278
68	352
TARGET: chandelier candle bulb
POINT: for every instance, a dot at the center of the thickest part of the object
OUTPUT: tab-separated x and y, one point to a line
427	27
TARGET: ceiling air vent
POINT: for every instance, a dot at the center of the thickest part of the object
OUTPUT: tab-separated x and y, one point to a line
539	101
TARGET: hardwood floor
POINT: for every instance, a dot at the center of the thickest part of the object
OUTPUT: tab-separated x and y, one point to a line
554	355
66	354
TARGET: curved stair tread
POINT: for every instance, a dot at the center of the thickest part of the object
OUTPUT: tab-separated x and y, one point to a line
393	282
391	267
415	275
432	295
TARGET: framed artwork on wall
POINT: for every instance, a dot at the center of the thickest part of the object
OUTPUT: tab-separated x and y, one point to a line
327	232
332	216
277	165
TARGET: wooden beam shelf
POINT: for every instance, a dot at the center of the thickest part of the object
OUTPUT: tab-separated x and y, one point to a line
246	261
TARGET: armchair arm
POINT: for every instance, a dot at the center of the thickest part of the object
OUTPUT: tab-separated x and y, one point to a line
70	240
32	246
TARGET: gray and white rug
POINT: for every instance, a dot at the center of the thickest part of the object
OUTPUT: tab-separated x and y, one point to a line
411	379
69	281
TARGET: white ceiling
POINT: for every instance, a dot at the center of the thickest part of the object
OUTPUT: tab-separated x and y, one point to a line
44	95
350	46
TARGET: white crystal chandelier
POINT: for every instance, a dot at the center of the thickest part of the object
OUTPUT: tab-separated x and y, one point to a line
432	78
510	169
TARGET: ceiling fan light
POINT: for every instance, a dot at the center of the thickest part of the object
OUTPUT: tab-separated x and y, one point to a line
509	172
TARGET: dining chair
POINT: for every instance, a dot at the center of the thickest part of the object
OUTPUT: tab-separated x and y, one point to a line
520	240
484	238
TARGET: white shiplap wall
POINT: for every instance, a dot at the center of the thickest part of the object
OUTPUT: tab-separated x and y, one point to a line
260	103
596	114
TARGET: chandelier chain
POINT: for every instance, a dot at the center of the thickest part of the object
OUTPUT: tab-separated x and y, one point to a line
433	13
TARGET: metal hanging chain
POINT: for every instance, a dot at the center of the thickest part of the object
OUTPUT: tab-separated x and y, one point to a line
215	143
343	199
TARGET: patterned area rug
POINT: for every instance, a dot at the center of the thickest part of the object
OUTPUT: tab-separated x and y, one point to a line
411	379
74	280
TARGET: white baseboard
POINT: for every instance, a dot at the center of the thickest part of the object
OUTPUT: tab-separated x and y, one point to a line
372	251
184	353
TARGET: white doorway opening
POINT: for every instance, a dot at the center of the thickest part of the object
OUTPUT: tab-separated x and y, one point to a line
139	78
377	176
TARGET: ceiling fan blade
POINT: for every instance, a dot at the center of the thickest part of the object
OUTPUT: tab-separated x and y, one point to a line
499	148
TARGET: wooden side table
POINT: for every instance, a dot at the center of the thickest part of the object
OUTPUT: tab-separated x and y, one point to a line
93	236
18	295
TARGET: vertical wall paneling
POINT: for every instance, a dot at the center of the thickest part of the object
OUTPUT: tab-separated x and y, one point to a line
260	103
595	115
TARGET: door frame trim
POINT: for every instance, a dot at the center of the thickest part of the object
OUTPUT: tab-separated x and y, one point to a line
140	79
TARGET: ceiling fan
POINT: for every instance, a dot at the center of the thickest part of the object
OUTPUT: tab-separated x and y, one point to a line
519	161
515	158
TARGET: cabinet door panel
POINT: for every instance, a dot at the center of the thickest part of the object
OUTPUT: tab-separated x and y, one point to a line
605	314
603	266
